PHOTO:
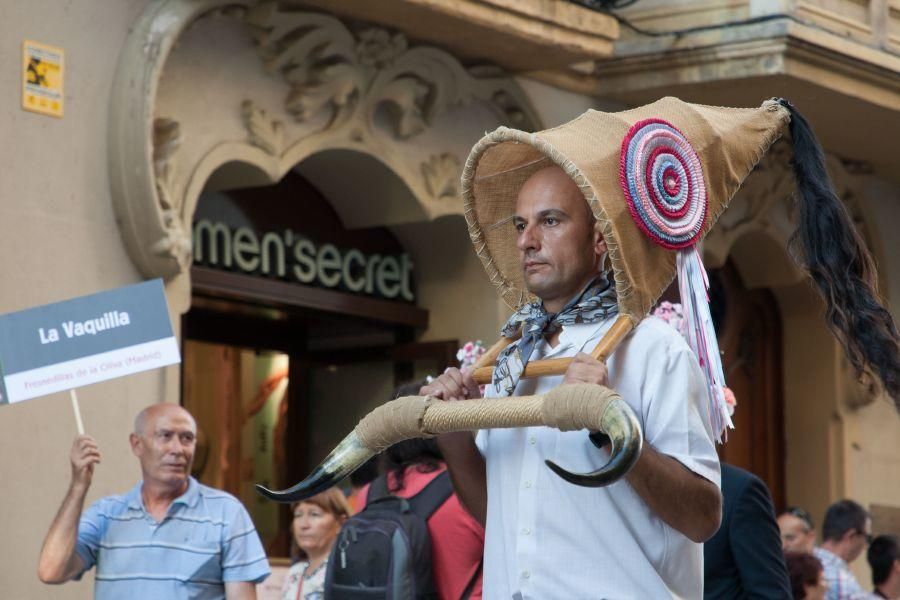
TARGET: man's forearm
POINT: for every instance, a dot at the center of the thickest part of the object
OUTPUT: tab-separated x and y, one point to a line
682	499
240	590
58	561
467	471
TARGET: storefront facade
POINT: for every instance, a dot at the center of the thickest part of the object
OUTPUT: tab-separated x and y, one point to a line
291	170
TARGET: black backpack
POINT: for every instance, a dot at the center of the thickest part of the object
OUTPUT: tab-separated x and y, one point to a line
385	550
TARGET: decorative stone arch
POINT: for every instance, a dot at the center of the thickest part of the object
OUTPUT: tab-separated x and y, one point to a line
821	393
763	209
205	83
756	230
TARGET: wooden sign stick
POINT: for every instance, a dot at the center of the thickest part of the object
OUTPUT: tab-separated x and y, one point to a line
78	422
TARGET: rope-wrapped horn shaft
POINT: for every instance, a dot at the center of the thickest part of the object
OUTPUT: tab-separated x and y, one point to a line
567	408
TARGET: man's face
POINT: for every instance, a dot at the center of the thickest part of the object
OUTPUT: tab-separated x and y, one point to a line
166	445
860	541
796	535
560	250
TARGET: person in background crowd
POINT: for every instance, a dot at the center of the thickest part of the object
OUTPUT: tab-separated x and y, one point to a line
798	534
744	558
846	532
884	558
168	537
457	539
358	480
314	529
807	576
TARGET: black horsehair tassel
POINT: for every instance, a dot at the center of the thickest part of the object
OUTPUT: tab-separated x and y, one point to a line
836	258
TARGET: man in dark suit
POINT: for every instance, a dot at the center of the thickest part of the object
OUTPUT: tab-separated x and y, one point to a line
744	558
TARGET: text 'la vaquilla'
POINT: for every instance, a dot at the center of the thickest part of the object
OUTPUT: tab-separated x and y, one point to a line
109	320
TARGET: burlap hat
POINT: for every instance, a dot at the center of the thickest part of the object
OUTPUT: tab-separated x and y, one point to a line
729	142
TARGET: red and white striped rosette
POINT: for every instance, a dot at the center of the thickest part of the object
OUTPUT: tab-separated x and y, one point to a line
662	179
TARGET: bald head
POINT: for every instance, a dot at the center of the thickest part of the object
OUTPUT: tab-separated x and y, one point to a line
147	417
164	440
553	182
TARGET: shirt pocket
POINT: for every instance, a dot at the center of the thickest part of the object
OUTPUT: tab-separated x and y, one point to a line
202	560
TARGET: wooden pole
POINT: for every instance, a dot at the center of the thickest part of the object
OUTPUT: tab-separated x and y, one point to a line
558	366
78	422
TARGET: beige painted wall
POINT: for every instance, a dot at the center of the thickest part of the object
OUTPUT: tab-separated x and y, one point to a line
58	239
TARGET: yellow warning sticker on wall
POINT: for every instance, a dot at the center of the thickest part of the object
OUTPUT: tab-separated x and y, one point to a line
42	78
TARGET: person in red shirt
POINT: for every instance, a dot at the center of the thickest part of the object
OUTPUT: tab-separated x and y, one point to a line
457	539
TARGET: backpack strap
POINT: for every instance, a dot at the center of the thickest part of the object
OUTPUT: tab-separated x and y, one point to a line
433	496
467	593
377	489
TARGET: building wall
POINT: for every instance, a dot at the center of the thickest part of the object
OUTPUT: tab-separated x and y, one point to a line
59	239
872	442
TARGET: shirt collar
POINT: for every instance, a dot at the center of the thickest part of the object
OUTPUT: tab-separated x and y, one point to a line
133	497
831	556
577	336
189	498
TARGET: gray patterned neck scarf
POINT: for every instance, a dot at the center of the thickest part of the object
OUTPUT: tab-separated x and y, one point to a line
596	303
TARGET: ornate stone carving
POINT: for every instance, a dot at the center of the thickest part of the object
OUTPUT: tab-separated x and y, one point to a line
770	184
765	203
858	392
358	89
146	193
176	241
335	74
511	108
441	175
166	140
265	133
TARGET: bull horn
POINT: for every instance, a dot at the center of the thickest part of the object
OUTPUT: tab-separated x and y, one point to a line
621	425
567	408
349	455
393	422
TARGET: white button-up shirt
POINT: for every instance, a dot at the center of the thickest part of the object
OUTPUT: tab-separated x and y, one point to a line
546	538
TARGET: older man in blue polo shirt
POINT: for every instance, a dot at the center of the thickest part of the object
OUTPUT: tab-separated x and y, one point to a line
168	537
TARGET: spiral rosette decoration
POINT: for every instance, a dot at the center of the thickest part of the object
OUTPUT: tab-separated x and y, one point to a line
662	179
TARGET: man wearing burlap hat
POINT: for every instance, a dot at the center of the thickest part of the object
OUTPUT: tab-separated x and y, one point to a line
545	537
581	228
586	224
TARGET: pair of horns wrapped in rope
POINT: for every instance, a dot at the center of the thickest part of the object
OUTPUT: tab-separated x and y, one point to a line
656	179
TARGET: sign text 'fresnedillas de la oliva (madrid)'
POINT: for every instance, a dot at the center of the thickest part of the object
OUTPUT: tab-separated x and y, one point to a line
290	256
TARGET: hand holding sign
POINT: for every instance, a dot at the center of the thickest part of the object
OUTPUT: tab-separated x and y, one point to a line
85	455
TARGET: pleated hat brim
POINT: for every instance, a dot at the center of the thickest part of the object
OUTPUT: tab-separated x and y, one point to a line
728	141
